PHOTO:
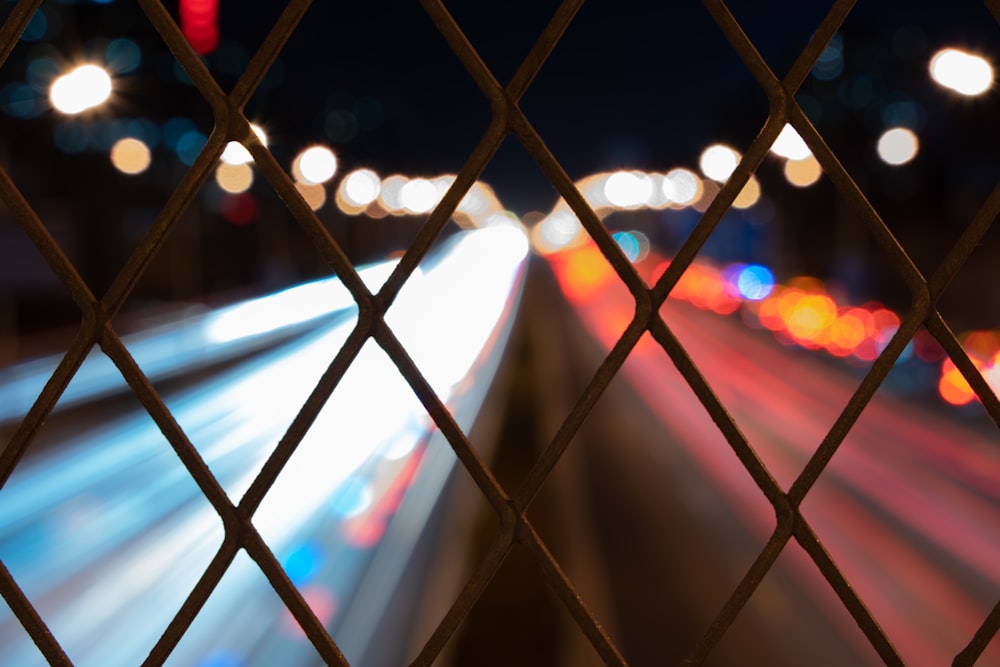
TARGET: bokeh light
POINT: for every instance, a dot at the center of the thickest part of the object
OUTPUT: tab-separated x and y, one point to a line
750	281
830	63
628	189
634	244
239	208
315	165
803	173
749	195
963	72
130	156
304	562
718	162
419	196
556	231
477	200
790	145
983	348
897	146
954	388
809	315
200	24
681	186
235	153
37	27
82	88
21	101
390	193
314	194
234	178
122	55
361	187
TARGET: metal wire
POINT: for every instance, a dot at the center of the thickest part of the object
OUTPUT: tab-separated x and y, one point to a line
507	120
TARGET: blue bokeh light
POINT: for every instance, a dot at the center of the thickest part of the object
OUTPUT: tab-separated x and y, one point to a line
72	137
635	245
189	145
755	282
41	71
21	100
303	563
37	27
123	55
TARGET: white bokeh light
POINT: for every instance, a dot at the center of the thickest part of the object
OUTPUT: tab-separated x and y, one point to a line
476	200
681	186
718	162
235	153
82	88
391	193
361	187
315	165
963	72
628	189
556	231
419	196
790	145
897	146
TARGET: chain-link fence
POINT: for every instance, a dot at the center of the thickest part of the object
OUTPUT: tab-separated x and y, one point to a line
507	123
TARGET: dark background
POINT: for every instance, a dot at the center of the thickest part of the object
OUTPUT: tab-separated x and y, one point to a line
638	85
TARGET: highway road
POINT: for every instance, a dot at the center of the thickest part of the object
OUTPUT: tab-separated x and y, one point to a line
649	511
908	508
106	533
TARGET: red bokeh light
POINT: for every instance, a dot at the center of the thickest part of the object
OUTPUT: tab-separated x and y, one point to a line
200	24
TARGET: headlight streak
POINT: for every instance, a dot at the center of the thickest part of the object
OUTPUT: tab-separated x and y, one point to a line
138	524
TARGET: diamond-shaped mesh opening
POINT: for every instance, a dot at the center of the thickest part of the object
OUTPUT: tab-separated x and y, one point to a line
637	323
395	102
617	70
258	625
796	603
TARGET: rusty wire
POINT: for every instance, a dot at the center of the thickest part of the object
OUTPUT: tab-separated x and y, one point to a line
507	120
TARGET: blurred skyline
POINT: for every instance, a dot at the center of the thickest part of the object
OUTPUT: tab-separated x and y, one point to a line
646	87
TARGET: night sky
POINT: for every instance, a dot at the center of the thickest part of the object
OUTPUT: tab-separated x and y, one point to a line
637	85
